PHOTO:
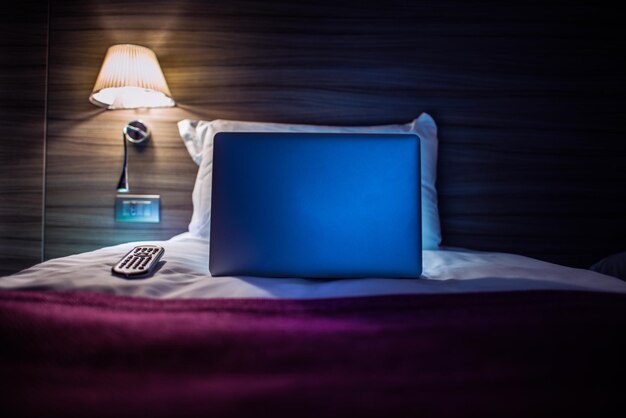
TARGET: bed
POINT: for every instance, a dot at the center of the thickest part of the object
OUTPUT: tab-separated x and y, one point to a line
478	334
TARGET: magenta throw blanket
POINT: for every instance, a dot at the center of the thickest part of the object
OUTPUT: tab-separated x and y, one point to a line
509	354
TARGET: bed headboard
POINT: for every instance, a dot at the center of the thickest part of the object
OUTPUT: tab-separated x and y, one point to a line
529	99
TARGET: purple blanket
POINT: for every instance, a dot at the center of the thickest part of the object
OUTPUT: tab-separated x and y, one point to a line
549	353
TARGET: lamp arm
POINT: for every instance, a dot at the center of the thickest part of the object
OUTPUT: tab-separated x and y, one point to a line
122	185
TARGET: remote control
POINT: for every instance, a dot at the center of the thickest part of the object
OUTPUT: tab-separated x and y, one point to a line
139	262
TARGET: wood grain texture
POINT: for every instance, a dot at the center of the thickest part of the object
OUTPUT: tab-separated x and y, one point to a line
529	98
22	101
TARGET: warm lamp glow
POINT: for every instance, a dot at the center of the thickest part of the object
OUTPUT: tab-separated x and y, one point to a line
130	78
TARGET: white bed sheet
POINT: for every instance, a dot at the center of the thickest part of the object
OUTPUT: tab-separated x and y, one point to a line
184	274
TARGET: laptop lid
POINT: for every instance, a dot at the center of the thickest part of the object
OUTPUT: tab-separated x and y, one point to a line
316	205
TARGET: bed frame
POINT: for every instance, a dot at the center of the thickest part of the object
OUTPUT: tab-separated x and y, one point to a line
529	99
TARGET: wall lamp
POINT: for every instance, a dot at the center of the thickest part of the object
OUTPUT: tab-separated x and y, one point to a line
131	78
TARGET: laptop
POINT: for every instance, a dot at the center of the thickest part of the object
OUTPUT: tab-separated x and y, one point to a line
316	205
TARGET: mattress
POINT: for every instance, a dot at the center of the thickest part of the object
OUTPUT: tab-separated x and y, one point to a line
184	274
479	334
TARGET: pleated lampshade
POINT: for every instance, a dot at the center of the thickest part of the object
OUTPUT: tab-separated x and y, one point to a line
130	78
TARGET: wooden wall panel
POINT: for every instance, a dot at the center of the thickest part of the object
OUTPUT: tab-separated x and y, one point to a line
22	100
529	98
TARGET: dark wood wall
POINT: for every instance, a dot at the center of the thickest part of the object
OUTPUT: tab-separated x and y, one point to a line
23	43
529	98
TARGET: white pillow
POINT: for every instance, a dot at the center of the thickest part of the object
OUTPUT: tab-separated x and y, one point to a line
198	138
